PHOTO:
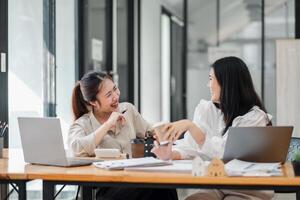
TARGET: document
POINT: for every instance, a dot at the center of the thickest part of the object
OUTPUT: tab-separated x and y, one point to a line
178	166
241	168
134	162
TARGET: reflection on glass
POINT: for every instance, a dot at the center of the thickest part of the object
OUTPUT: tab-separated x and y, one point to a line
94	35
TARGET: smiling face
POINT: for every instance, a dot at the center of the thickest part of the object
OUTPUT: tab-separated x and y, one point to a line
214	87
107	99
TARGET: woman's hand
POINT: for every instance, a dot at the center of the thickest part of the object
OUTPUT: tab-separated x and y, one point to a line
109	126
115	118
172	131
162	152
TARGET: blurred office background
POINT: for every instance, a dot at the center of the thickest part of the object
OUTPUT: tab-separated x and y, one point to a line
158	51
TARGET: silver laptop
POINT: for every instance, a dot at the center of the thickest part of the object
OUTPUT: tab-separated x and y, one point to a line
258	144
42	142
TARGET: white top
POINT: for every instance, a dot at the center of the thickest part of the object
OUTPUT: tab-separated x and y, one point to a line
210	120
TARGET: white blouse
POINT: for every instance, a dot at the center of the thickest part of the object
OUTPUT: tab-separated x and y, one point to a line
210	120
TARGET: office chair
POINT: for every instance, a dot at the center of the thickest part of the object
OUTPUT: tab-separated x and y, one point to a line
294	147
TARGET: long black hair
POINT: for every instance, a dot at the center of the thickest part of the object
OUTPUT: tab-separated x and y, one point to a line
237	94
85	91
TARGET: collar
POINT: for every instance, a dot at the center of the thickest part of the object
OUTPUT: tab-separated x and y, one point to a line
94	122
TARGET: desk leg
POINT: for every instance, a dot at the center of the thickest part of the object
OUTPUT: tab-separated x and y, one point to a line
87	193
22	190
298	195
48	190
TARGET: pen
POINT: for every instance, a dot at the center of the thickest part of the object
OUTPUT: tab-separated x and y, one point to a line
164	143
2	126
3	130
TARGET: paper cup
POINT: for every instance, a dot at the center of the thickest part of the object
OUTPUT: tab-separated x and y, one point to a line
158	128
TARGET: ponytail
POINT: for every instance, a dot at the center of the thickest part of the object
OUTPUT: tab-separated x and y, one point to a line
85	91
79	105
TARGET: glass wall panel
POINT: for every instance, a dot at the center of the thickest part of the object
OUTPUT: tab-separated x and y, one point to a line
94	35
201	34
165	67
26	70
25	84
122	50
25	73
233	28
240	32
279	23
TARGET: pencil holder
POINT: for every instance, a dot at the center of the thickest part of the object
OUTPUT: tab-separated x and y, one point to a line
1	146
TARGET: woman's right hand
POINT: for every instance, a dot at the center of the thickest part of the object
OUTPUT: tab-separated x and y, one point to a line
115	118
162	152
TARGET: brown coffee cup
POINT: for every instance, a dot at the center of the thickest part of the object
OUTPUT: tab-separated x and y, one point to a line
137	148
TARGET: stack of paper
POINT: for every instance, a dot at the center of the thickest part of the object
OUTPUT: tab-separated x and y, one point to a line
134	162
242	168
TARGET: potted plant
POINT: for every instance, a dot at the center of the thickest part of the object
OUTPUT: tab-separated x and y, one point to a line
296	163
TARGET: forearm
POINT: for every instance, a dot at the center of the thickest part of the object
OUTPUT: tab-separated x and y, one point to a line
176	155
100	132
196	133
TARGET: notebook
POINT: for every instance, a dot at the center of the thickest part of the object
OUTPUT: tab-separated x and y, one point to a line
177	166
241	168
134	162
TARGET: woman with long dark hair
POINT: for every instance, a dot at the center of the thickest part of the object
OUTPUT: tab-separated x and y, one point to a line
101	121
233	103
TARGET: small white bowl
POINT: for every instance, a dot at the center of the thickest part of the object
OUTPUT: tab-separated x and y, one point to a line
107	153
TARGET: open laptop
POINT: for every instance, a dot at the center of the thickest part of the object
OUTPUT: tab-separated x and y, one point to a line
43	143
258	144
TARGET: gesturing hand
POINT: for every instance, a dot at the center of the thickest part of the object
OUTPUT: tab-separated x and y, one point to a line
175	129
115	118
162	152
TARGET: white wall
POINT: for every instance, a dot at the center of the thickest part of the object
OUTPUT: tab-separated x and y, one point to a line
287	81
151	103
65	61
150	60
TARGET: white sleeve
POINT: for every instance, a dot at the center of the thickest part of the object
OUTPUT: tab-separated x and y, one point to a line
80	143
187	147
214	146
202	116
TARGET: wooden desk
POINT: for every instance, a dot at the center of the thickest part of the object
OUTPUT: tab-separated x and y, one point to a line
12	171
90	176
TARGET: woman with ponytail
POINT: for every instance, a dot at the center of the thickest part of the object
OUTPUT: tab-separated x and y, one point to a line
100	121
